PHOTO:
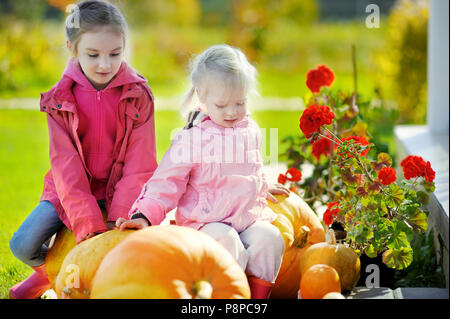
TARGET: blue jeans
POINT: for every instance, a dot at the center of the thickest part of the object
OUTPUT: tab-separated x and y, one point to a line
28	242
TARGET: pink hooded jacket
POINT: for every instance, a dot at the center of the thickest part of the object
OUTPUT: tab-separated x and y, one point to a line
102	146
211	174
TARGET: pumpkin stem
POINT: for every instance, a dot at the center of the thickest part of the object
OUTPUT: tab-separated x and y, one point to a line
202	290
302	238
331	237
66	292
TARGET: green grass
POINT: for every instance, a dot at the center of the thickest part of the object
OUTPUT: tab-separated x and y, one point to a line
24	162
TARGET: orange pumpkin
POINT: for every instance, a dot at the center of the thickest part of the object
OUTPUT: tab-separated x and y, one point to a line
319	280
81	263
300	228
339	256
169	262
63	243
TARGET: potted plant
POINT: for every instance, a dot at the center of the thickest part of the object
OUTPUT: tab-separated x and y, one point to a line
378	213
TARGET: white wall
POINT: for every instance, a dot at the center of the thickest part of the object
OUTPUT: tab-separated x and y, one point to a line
438	74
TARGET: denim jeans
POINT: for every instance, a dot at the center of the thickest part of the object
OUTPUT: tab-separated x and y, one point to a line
28	242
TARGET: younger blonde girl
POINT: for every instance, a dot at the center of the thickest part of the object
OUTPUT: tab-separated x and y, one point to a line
213	171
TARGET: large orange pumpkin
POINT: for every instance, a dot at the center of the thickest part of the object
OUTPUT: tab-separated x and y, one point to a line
318	281
300	228
169	262
81	263
62	245
339	256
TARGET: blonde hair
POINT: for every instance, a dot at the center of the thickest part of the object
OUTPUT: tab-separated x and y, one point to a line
90	14
225	61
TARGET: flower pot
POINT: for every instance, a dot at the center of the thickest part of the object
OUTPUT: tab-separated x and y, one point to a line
370	273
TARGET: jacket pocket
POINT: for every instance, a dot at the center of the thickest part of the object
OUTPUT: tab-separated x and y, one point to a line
202	210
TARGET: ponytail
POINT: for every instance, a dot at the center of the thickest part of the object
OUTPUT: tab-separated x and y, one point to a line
187	104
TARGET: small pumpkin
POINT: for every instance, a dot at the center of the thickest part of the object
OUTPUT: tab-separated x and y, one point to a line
333	295
319	280
339	256
169	262
62	245
81	263
300	228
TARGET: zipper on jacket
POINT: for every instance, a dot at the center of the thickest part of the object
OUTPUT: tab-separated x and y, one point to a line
98	112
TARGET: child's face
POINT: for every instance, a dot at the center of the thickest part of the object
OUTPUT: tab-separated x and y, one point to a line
100	55
225	104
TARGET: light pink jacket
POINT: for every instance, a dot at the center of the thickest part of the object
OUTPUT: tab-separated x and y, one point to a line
72	184
210	174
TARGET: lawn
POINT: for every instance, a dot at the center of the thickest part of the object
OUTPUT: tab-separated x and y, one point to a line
24	161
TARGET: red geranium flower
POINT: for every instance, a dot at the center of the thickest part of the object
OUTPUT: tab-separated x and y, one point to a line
329	213
282	179
387	175
327	218
314	117
322	146
327	73
414	166
430	174
316	78
360	140
295	174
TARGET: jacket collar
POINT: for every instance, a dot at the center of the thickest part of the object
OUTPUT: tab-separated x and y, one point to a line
208	123
125	75
61	95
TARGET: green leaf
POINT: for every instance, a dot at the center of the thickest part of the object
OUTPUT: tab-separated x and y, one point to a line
370	251
398	258
396	195
422	197
398	240
429	186
419	219
365	202
383	160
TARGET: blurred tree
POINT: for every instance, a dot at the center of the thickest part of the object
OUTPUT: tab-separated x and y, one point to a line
174	12
60	4
29	57
30	10
215	12
404	59
251	20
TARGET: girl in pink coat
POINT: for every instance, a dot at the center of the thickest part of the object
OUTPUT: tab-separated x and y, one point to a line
102	141
213	171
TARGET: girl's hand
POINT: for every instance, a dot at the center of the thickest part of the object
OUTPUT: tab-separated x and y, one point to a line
110	224
277	189
137	223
